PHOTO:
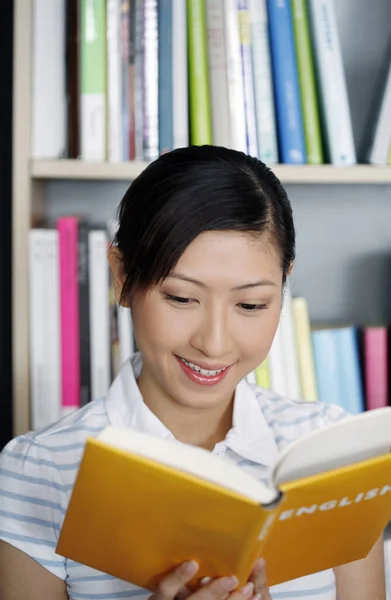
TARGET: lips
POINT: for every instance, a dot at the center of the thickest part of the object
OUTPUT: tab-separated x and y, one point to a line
197	374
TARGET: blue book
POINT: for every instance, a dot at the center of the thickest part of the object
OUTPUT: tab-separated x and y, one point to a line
165	75
326	367
286	83
350	371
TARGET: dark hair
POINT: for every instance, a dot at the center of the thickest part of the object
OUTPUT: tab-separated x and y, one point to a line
191	190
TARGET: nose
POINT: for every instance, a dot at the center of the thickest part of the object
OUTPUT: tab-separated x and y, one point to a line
213	337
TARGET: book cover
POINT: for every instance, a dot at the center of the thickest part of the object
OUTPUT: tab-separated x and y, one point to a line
114	82
289	344
376	367
286	83
69	313
380	146
304	349
262	374
336	119
165	37
308	92
263	83
350	369
237	118
326	361
93	105
218	73
247	76
199	93
84	312
137	26
162	502
150	81
72	73
180	100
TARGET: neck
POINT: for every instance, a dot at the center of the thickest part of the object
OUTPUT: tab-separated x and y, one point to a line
203	427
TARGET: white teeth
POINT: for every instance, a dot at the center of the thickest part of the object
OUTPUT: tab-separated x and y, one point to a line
204	372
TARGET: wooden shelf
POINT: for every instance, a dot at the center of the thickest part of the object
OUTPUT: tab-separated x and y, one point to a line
126	171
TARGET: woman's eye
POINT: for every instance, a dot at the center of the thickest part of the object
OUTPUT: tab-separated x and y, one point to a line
252	307
178	299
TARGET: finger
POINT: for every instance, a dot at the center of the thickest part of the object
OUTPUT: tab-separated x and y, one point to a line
175	582
259	579
217	589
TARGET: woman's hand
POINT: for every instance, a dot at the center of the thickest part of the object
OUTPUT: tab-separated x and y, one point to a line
174	586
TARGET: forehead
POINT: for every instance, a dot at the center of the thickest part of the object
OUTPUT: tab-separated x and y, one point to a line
231	252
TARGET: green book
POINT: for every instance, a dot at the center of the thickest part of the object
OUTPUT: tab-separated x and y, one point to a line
93	111
199	94
308	92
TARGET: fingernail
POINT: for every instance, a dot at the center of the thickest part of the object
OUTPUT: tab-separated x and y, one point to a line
260	564
190	567
205	580
229	583
248	589
257	597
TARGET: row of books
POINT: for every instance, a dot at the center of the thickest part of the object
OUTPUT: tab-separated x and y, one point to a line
142	77
79	336
345	365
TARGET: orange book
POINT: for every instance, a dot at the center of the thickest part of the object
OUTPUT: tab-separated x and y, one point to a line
141	505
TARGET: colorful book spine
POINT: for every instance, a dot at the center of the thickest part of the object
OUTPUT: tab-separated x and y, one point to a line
150	81
84	309
304	349
326	361
137	29
93	80
332	83
114	83
69	313
125	80
376	367
165	39
247	76
286	83
308	92
199	94
262	374
350	370
218	73
263	83
235	82
180	100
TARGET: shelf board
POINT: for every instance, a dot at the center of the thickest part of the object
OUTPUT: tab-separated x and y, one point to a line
126	171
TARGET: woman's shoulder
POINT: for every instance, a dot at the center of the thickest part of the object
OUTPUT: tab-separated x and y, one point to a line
292	418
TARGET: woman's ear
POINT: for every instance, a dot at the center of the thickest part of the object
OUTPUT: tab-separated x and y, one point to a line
114	256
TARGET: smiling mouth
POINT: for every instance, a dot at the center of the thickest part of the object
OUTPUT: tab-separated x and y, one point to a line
202	371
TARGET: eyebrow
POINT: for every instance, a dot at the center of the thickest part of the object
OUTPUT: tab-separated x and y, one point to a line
245	286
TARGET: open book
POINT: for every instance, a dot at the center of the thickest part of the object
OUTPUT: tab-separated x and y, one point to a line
141	505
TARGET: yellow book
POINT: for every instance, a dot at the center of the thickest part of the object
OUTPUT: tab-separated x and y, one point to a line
141	505
304	349
262	375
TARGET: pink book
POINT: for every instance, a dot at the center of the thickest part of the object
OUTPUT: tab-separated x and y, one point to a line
69	310
376	367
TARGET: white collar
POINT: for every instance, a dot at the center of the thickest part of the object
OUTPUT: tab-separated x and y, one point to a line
250	436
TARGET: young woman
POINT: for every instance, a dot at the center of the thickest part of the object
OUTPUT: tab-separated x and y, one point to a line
205	243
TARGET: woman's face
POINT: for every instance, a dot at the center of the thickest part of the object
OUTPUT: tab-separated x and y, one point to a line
213	320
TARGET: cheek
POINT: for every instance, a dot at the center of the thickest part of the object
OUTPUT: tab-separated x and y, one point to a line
258	333
156	324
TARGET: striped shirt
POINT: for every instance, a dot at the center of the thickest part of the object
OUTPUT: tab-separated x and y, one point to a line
38	470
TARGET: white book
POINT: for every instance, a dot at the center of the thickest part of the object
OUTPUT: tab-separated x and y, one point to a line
150	81
99	313
251	378
382	140
179	68
44	319
114	81
333	91
218	76
278	377
49	104
125	334
387	558
263	83
290	347
247	76
235	82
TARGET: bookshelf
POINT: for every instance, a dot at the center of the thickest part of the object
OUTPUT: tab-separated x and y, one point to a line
125	171
343	214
